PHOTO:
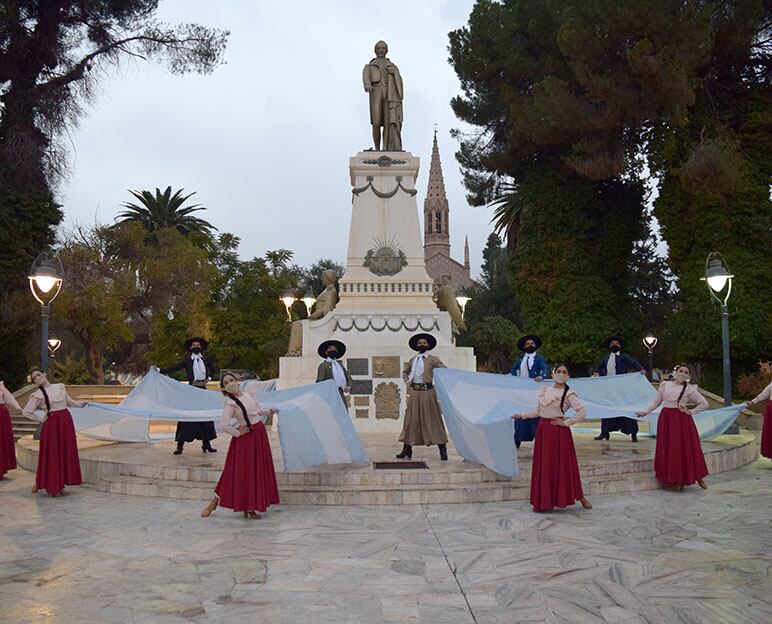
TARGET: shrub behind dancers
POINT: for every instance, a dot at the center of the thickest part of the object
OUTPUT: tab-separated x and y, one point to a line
678	458
58	461
248	480
555	480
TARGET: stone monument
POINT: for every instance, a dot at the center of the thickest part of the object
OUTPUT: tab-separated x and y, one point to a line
386	295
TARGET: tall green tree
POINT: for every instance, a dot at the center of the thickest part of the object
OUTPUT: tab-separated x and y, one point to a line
166	210
91	305
53	54
492	315
714	193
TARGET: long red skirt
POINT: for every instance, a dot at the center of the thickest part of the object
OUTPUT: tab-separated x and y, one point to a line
678	459
7	448
766	432
248	480
58	461
555	480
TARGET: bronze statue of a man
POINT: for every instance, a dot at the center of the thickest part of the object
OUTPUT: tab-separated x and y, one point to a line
383	82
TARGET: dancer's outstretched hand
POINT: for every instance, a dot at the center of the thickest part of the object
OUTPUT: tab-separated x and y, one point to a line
640	414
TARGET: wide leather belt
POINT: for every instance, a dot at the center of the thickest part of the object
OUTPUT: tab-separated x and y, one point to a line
422	386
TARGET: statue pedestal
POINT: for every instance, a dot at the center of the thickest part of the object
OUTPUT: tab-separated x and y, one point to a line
385	296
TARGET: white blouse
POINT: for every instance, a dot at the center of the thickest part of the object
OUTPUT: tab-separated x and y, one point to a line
57	396
6	398
764	395
668	394
233	417
548	405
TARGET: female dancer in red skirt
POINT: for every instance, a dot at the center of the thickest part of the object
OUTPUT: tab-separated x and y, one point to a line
678	458
58	461
555	480
7	448
766	427
248	480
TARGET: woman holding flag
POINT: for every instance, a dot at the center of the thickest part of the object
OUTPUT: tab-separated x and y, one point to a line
555	480
248	480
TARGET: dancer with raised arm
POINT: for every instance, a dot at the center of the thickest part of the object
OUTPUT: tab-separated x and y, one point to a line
423	420
7	444
58	461
617	363
248	479
555	480
198	368
678	458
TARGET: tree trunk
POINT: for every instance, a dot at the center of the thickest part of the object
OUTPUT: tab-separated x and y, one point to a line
94	362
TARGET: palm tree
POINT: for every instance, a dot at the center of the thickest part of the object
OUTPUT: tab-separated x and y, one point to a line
507	204
165	210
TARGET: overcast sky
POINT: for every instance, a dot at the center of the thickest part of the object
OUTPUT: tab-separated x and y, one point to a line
265	139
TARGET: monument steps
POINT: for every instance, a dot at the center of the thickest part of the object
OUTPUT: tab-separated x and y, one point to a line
152	470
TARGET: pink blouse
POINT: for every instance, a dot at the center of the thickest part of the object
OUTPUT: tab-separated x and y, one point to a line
57	396
548	405
233	417
764	395
668	393
6	398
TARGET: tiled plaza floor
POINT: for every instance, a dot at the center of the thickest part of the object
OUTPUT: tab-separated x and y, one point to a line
656	557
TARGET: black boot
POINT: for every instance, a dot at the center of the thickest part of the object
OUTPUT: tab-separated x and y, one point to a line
635	437
178	450
207	448
407	452
443	451
603	436
517	443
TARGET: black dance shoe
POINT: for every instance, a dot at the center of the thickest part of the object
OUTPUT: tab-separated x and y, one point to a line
443	452
603	436
207	448
635	437
178	450
407	452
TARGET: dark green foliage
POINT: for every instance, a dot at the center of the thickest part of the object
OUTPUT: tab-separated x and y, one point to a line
28	228
492	314
569	100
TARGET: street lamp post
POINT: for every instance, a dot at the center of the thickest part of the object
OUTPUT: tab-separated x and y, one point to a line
53	345
650	341
309	300
719	280
288	299
462	301
45	282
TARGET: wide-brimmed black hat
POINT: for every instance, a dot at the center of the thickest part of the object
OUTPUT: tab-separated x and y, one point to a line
413	342
322	350
521	342
190	341
607	342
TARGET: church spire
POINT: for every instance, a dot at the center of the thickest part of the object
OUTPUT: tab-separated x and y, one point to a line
436	211
466	252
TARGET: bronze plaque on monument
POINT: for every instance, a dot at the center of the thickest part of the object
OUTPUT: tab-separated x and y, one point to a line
386	366
387	400
361	401
362	413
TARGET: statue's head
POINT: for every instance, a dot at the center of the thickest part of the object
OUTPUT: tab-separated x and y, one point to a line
381	49
328	277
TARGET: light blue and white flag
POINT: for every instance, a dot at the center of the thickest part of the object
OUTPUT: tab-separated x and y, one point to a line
478	408
314	425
